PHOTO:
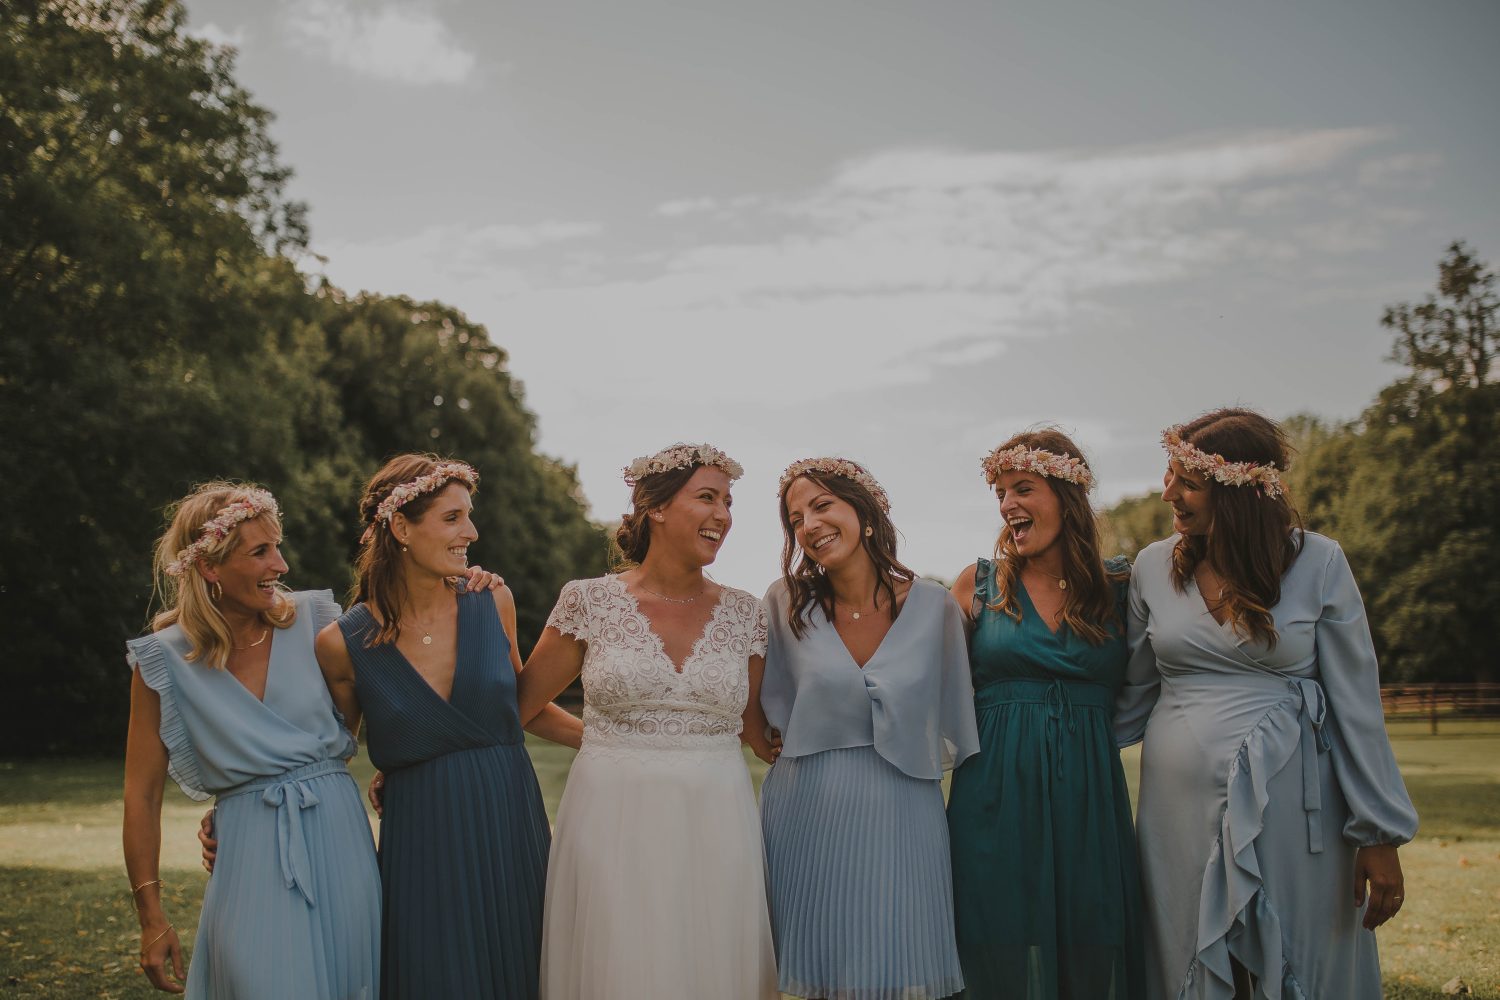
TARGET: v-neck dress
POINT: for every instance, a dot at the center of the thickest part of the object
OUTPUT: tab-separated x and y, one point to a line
1263	769
856	842
1047	888
656	886
463	838
293	906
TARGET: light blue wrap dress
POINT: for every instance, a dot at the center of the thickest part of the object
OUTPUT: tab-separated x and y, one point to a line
857	862
1263	769
293	907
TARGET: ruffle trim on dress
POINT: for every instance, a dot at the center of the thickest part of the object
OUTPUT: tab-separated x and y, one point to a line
182	761
1233	905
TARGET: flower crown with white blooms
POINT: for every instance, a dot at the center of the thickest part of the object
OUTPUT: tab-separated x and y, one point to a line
681	456
1266	477
834	466
439	477
1020	458
215	530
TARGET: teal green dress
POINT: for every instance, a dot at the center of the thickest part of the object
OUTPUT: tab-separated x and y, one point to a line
1047	901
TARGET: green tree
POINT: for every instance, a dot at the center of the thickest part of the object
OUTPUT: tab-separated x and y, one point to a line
155	332
1412	490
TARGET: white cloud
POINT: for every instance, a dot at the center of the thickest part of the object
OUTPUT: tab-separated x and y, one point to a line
215	35
881	313
386	41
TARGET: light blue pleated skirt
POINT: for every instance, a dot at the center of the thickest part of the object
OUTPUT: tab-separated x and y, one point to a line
293	907
859	879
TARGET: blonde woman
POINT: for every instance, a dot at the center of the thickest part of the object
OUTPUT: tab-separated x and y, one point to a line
228	699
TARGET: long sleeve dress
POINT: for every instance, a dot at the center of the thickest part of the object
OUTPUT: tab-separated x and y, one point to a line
1263	769
1047	887
656	887
855	837
463	837
293	907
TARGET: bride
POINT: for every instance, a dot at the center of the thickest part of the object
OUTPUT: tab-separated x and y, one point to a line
656	885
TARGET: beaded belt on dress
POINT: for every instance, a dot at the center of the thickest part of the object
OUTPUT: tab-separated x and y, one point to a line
288	795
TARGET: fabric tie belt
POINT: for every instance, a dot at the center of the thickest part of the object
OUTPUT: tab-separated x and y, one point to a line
288	794
1059	697
1312	711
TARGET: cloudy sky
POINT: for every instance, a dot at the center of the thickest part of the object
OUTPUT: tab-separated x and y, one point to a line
896	231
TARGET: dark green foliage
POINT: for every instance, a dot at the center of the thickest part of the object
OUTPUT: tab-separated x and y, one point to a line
155	332
1411	490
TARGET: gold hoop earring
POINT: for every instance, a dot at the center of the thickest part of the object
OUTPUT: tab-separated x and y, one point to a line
216	590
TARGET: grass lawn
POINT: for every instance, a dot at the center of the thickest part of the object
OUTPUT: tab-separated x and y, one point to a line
67	929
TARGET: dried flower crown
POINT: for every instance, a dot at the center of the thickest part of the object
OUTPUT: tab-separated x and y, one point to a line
1020	458
1218	468
436	479
681	456
833	466
216	529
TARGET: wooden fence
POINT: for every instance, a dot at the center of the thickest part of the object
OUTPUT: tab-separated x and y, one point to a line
1435	703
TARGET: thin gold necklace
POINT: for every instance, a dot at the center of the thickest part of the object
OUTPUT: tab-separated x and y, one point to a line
1062	583
674	600
257	642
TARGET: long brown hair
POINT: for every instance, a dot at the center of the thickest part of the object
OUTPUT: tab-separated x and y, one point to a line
380	574
1252	538
651	492
187	600
1089	607
805	580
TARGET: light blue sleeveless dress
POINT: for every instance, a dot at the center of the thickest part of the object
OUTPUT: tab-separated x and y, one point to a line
293	907
857	861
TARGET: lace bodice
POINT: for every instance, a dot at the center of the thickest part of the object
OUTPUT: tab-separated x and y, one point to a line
633	695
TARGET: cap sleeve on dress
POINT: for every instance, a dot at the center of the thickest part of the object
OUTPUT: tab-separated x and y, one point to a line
570	615
758	634
325	609
1380	811
147	655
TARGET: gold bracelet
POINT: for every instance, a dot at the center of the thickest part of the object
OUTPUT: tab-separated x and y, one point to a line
147	946
152	881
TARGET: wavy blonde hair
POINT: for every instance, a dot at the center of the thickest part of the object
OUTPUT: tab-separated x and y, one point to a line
187	600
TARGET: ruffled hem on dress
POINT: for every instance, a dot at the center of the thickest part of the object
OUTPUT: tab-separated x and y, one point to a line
182	761
1233	905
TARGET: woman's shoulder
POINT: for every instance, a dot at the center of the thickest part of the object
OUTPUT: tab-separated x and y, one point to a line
741	599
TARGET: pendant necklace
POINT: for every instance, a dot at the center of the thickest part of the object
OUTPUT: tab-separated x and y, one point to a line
1062	583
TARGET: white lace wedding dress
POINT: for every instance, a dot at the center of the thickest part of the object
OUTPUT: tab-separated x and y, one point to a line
656	883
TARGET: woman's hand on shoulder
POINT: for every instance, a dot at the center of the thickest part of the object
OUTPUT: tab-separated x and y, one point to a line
478	578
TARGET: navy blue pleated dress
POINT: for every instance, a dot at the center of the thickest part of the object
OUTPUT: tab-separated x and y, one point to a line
464	838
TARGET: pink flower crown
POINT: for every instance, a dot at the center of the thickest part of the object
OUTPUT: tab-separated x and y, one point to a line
215	530
1218	468
436	479
1020	458
840	467
681	456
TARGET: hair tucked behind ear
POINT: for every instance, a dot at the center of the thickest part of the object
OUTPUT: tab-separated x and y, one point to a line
1252	538
187	600
806	583
651	492
380	576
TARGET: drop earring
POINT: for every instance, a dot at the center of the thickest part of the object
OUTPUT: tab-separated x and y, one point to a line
869	531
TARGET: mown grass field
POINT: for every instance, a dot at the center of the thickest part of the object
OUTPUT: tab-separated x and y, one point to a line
67	930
